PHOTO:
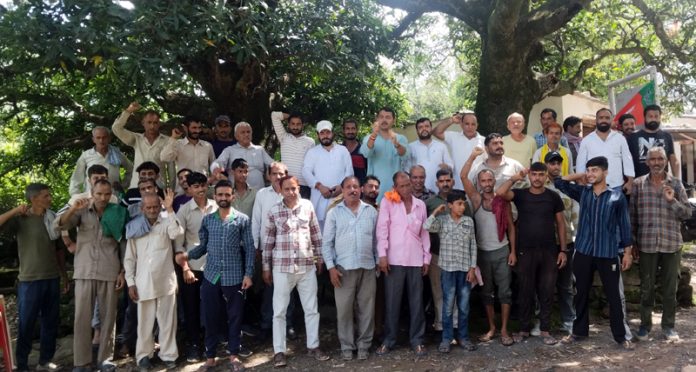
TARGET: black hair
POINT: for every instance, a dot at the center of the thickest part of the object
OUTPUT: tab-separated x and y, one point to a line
598	161
455	195
196	178
552	111
538	167
148	165
97	169
491	137
570	121
239	163
652	107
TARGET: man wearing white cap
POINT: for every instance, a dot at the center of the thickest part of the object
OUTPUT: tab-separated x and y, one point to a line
325	166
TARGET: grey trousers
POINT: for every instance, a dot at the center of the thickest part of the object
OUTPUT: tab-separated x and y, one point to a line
355	299
87	292
394	283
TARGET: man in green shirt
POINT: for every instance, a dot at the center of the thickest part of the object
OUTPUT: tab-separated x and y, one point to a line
41	267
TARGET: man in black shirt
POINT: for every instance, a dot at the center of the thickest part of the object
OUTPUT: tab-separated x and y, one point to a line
652	136
539	257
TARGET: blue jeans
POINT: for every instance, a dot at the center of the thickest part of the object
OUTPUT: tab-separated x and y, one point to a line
37	299
454	284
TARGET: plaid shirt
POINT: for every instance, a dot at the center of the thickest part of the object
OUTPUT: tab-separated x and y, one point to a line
293	238
457	241
229	245
656	222
349	239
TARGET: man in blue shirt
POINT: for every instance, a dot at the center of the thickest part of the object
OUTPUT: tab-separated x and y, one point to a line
603	227
226	237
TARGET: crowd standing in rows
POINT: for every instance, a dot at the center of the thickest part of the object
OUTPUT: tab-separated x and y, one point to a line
379	214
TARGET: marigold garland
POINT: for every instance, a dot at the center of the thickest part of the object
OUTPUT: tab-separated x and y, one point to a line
393	196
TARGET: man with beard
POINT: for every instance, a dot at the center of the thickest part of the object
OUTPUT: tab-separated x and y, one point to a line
294	144
652	136
431	155
612	146
627	125
350	141
460	143
225	236
223	135
325	166
370	190
191	152
658	204
603	225
553	144
503	167
384	149
539	258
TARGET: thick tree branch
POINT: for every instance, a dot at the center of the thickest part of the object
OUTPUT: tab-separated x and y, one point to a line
473	12
551	16
405	24
660	32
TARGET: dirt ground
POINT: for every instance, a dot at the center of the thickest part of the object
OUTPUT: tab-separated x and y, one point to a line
597	352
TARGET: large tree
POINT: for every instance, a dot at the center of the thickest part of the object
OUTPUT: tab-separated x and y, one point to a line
526	50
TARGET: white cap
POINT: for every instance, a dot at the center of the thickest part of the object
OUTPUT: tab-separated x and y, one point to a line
323	125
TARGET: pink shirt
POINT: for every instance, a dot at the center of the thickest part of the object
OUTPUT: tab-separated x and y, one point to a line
400	236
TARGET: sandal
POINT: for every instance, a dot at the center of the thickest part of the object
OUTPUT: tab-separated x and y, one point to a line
549	340
444	347
507	340
236	365
520	336
382	350
486	337
420	351
206	367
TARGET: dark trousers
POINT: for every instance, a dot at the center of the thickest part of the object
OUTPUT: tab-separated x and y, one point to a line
129	329
401	277
669	266
305	192
37	300
537	271
609	270
566	289
213	297
190	296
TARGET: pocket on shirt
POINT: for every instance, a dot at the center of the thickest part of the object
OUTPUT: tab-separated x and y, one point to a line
415	226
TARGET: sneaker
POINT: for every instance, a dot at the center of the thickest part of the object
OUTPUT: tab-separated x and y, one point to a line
671	334
193	354
279	360
363	354
291	334
244	352
642	334
626	345
347	354
144	365
317	354
50	366
536	330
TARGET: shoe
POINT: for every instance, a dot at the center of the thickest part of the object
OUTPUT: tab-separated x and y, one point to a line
570	339
279	360
670	334
244	352
347	354
170	365
363	354
642	334
107	367
193	354
291	334
536	330
382	350
317	354
144	364
467	345
50	366
626	345
420	351
444	347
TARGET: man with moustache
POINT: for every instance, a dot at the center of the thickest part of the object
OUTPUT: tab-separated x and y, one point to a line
652	136
503	167
431	155
539	258
325	166
191	152
370	191
613	147
547	116
223	137
294	144
350	141
553	144
417	175
102	154
627	124
225	236
255	155
384	149
572	133
658	205
603	225
460	143
349	252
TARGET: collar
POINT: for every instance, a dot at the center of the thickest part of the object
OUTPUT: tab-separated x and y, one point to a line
361	206
231	217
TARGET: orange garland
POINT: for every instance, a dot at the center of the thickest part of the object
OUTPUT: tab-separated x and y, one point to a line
393	196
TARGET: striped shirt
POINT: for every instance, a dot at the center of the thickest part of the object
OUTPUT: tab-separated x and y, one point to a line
293	238
603	226
457	241
349	238
292	148
229	246
656	222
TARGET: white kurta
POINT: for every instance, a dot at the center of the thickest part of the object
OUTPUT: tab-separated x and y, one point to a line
329	167
429	156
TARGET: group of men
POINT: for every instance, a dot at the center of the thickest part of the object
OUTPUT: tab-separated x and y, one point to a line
554	207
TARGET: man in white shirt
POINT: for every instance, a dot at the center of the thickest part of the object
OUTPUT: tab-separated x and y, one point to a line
255	155
460	143
613	146
147	145
191	152
325	166
431	155
294	144
102	154
151	279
